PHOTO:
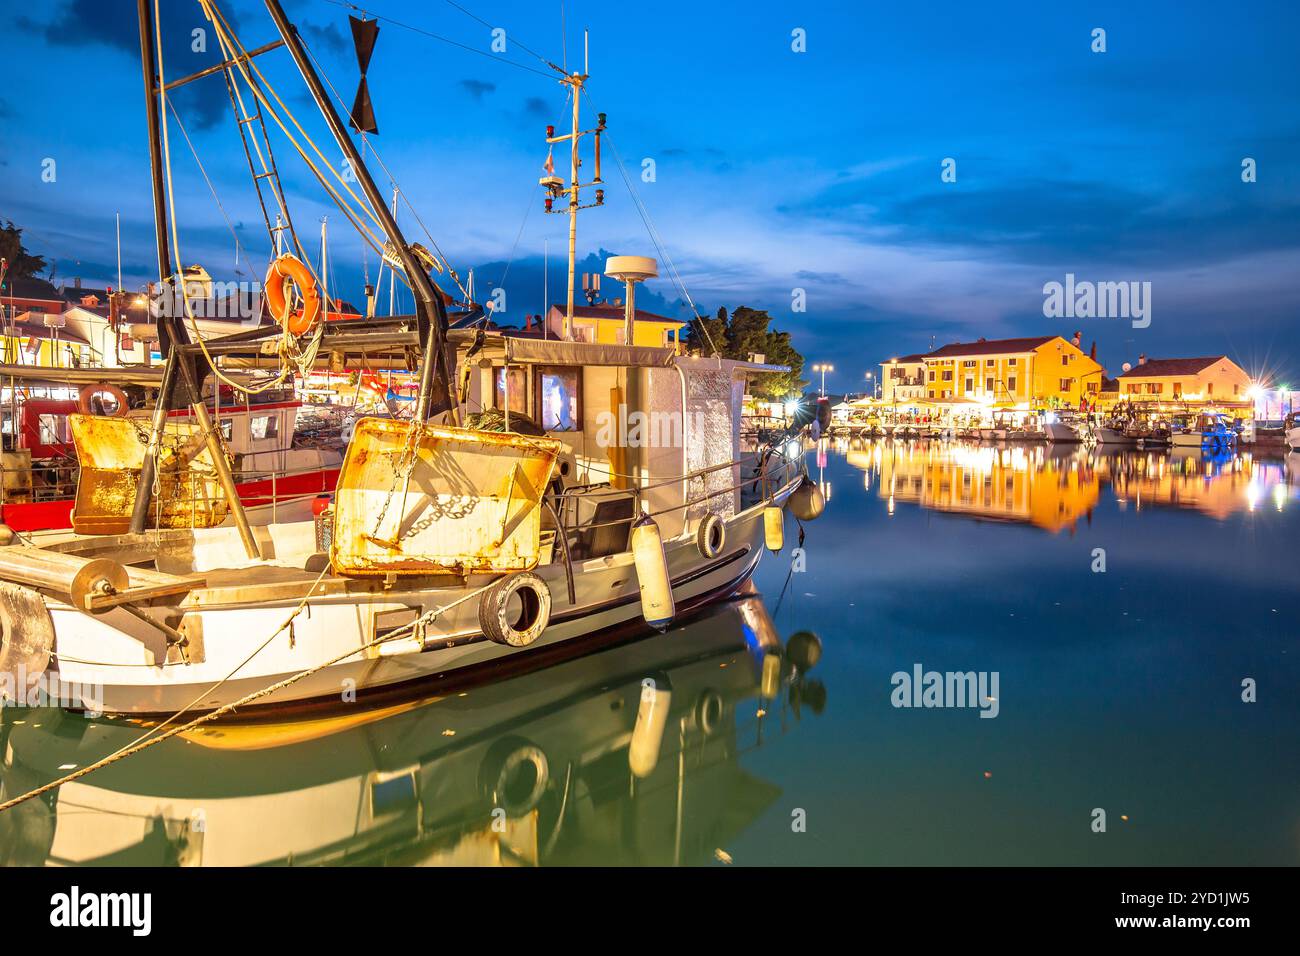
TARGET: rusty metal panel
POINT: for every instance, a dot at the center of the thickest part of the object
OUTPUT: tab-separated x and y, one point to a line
111	452
431	500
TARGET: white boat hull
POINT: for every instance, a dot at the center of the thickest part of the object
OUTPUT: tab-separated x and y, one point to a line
1061	432
114	661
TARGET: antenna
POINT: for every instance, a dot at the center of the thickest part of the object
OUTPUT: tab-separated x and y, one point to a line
554	185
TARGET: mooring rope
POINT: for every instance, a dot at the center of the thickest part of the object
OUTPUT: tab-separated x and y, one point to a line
153	737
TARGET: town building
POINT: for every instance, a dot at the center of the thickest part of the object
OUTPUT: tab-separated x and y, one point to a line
1038	372
903	378
605	323
1212	379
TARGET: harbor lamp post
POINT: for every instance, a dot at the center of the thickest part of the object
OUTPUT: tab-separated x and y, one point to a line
823	368
871	385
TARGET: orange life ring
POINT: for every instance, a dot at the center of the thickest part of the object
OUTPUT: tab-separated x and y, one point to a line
288	269
88	392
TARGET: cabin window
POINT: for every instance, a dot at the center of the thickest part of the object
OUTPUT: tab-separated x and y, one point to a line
518	390
227	429
559	391
53	429
264	426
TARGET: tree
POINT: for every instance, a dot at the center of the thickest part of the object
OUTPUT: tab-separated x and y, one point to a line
19	263
746	332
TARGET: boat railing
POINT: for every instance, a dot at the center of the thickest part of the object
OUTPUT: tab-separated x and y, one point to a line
772	468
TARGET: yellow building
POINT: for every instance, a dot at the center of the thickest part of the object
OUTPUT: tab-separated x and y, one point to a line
1214	379
605	323
902	378
1045	371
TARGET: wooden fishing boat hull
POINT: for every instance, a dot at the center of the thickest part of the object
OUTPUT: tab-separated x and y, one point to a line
112	659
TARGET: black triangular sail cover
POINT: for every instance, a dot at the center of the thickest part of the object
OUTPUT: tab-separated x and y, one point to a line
364	35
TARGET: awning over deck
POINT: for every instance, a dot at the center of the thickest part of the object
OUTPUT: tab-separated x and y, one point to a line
521	351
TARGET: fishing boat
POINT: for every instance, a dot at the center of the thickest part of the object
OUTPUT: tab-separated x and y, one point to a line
1291	431
1205	429
524	770
1060	430
542	491
278	469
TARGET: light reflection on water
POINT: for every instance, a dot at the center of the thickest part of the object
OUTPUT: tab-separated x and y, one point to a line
1119	690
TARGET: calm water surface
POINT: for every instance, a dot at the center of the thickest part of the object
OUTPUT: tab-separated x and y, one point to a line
1119	690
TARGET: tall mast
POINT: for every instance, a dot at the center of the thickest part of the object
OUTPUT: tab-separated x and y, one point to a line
555	187
431	310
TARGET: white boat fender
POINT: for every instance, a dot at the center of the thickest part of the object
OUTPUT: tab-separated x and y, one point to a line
26	635
711	536
807	501
652	573
651	719
516	609
774	528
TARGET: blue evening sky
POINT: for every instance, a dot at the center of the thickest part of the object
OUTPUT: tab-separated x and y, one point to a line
775	170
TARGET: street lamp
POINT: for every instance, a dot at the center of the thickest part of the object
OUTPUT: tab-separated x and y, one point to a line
871	386
823	367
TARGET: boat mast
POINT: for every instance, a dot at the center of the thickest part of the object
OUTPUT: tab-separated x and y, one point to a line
167	333
431	310
577	84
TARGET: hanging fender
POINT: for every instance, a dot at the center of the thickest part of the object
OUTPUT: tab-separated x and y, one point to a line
88	392
516	609
711	536
283	271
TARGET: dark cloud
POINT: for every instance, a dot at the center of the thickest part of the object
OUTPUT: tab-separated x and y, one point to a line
477	88
536	106
1037	220
84	23
330	36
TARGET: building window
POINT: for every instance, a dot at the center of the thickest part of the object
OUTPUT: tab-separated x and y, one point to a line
932	378
970	363
988	384
559	395
583	332
1011	384
931	395
1011	361
970	384
990	363
947	375
1209	388
518	390
1178	389
1067	384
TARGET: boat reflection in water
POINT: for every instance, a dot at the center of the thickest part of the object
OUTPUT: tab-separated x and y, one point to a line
1053	487
627	756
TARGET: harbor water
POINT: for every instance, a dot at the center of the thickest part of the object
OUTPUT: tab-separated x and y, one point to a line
979	655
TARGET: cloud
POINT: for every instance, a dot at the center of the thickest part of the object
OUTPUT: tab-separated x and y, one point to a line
536	106
84	23
477	88
329	36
